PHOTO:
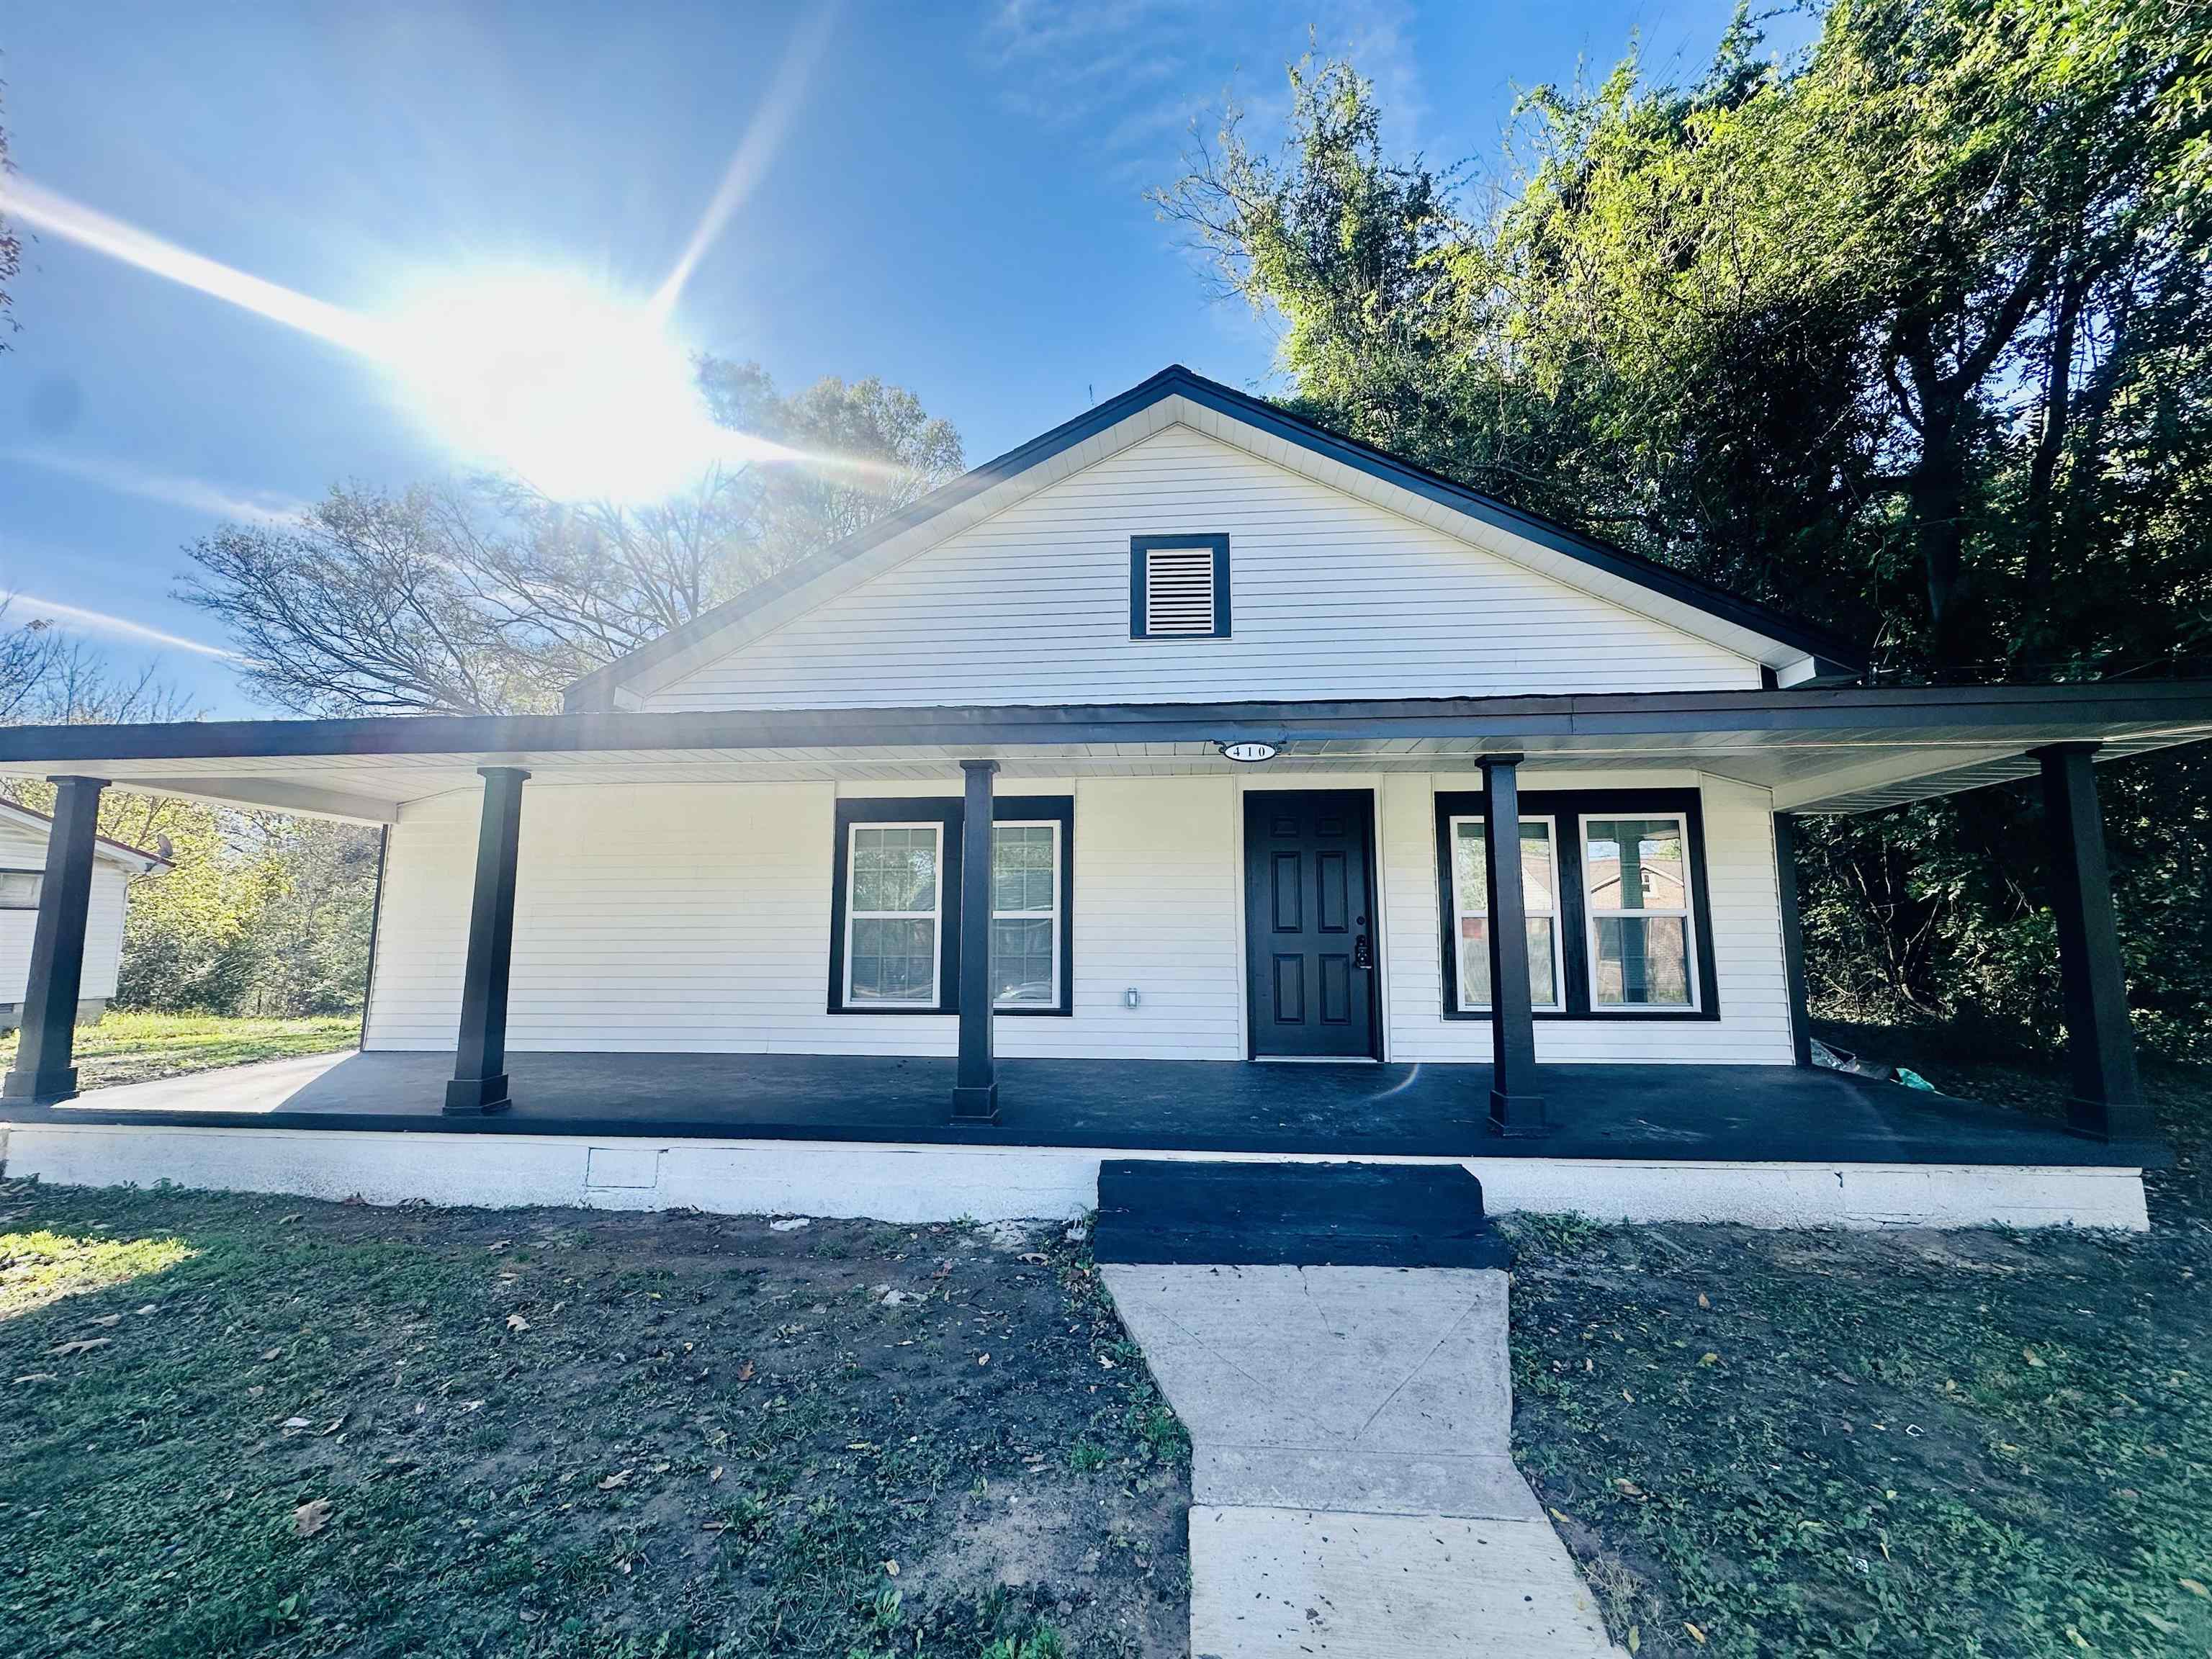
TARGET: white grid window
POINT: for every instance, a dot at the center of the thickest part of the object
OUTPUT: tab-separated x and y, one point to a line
1635	875
1539	893
1025	915
894	910
20	889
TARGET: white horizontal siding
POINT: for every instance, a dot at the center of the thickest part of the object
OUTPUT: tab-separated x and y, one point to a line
23	849
1331	595
1754	1028
696	917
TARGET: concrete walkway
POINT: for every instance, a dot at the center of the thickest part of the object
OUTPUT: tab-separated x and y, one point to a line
1353	1492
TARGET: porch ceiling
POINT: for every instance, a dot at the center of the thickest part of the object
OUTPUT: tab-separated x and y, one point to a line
1842	750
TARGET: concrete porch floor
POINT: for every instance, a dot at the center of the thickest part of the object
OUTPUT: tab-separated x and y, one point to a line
1750	1114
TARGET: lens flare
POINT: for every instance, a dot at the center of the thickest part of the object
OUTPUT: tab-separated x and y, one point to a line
582	393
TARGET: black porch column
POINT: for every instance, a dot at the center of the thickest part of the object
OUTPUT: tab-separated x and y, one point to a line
479	1082
43	1073
2100	1052
975	1085
1793	935
1516	1107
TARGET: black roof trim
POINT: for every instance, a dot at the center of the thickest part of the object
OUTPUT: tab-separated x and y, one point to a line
1992	709
596	690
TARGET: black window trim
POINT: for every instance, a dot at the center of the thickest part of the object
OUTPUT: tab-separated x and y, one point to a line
1140	545
945	810
1568	808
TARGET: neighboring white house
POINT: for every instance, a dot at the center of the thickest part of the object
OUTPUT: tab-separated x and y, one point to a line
22	866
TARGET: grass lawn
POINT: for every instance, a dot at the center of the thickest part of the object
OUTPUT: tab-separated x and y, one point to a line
257	1425
130	1047
1939	1444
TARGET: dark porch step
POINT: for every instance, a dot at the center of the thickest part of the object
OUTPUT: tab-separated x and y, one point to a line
1348	1215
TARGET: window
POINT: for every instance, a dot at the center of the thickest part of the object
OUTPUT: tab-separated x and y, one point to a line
20	889
1178	588
1025	915
1635	875
896	939
1470	867
1613	880
895	906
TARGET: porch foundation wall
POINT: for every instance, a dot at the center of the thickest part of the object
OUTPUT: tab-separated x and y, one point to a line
913	1184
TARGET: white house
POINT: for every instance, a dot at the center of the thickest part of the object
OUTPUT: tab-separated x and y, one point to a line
1187	732
23	835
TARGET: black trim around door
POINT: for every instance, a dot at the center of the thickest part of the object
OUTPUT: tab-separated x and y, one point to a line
1359	806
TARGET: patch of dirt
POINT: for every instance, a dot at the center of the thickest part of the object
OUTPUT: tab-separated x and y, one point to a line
558	1431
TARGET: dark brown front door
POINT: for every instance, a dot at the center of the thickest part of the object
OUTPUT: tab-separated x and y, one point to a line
1308	904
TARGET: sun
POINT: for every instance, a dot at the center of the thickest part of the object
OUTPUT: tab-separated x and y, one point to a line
582	393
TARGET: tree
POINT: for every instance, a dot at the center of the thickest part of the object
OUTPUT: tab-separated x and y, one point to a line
48	678
487	596
1907	335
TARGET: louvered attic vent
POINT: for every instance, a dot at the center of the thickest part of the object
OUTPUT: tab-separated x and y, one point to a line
1178	588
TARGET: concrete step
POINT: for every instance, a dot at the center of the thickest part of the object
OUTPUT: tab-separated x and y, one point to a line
1381	1215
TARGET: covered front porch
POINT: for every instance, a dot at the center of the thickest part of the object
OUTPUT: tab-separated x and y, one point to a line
1682	1113
629	964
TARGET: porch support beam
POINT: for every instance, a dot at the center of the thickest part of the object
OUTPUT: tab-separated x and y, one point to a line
479	1083
976	1081
1793	936
44	1070
2106	1101
1516	1107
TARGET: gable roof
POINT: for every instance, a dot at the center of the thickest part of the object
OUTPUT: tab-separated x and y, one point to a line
113	851
1696	606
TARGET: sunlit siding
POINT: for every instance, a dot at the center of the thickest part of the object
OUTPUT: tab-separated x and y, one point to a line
697	918
24	849
1332	597
1754	1028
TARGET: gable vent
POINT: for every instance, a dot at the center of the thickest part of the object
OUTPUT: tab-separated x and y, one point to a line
1179	586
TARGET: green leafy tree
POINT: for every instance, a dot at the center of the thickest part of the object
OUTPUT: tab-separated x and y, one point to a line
1907	334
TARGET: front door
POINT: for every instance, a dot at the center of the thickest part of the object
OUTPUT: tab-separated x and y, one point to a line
1309	951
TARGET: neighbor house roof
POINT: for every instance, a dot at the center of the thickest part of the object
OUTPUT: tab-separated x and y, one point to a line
1779	641
111	852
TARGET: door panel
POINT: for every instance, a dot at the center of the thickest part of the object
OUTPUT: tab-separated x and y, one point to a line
1309	907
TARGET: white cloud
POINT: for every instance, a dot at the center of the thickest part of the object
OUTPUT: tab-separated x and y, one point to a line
1138	73
193	495
75	618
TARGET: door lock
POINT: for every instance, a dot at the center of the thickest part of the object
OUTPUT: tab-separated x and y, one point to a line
1362	955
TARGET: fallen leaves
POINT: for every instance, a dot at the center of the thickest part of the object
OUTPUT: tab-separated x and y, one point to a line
82	1345
2195	1587
620	1478
515	1322
312	1517
1696	1635
2029	1355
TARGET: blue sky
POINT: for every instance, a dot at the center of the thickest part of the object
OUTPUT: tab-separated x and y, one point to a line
955	203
